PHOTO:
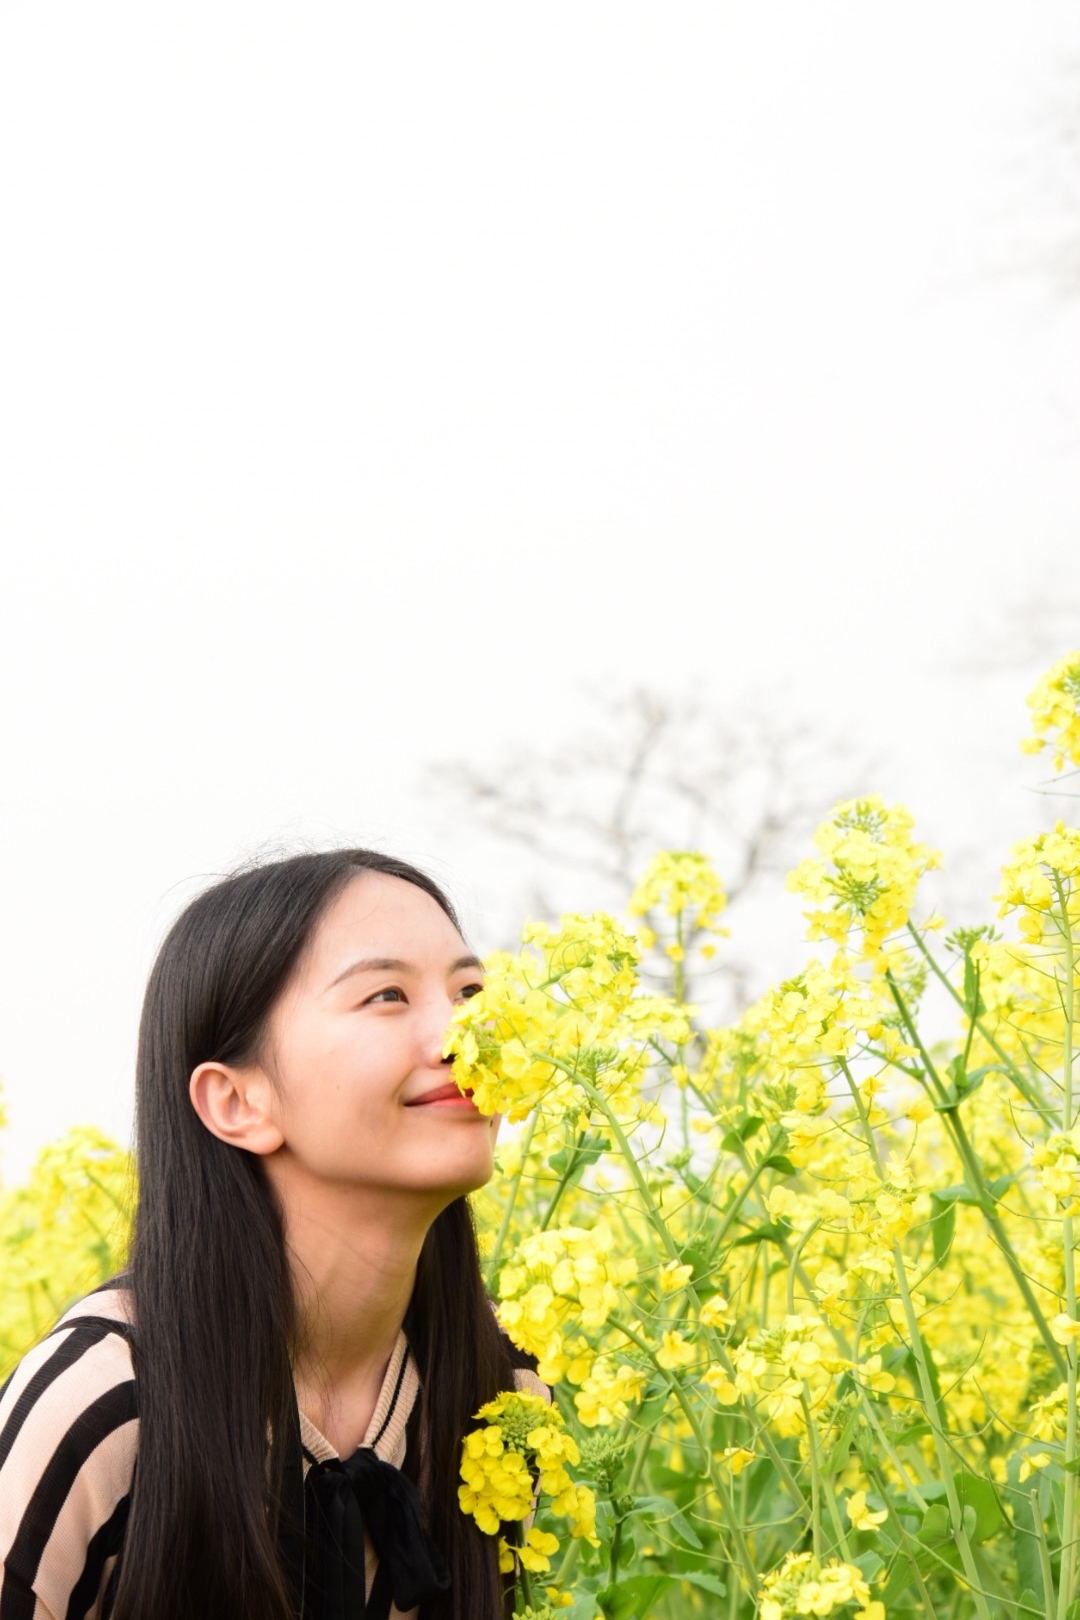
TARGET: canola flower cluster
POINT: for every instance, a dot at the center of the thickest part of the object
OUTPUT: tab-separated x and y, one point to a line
866	873
61	1234
1054	709
1039	883
566	1278
805	1586
521	1436
562	1019
905	1274
681	891
804	1285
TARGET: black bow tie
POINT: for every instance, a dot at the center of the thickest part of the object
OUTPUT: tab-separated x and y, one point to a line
345	1498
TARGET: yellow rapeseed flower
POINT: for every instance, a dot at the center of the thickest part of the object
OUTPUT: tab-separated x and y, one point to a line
523	1434
680	881
1053	704
862	1517
865	875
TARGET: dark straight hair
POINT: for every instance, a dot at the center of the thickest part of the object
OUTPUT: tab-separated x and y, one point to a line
215	1316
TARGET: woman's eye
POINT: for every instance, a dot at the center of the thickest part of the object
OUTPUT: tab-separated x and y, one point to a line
379	994
471	990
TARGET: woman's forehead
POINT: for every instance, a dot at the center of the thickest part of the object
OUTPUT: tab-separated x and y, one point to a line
384	916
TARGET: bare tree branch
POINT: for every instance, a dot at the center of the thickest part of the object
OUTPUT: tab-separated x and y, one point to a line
653	772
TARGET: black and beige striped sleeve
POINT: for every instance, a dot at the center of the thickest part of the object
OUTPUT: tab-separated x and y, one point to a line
68	1438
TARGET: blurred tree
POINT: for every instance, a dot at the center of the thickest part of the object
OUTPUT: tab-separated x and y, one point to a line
652	772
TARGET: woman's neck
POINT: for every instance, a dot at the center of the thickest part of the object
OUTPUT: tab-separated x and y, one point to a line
353	1255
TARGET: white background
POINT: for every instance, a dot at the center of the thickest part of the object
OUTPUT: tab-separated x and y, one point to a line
374	379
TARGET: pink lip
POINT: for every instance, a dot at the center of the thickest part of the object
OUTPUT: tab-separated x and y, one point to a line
445	1095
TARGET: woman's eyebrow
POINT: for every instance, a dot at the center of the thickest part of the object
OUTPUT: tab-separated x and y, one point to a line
394	964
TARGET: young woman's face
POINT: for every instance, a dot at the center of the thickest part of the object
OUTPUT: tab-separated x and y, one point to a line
356	1048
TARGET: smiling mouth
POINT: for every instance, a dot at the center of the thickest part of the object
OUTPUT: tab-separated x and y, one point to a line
446	1096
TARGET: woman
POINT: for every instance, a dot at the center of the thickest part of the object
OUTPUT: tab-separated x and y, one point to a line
262	1418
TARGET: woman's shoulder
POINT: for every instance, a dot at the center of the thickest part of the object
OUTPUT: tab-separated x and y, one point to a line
68	1439
86	1351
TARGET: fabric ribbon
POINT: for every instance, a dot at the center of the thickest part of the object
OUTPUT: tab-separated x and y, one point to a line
364	1492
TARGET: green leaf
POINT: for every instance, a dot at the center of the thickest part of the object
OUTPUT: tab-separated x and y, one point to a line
901	1578
633	1598
1026	1548
732	1141
980	1496
681	1488
906	1359
583	1608
936	1525
698	1256
911	1431
660	1511
770	1232
961	1193
707	1583
583	1153
780	1161
838	1456
1031	1600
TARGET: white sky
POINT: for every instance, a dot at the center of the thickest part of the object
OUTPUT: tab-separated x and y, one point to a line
371	378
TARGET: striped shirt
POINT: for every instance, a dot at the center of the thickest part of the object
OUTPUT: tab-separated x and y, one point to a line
69	1434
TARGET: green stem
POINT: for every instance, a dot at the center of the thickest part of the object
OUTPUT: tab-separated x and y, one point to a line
564	1181
1067	1572
754	1173
891	1452
974	1176
639	1461
906	1542
930	1401
715	1477
1044	1554
817	1533
659	1225
616	1539
680	997
807	1235
1030	1096
496	1254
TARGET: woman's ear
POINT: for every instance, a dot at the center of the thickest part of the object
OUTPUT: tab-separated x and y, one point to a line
237	1105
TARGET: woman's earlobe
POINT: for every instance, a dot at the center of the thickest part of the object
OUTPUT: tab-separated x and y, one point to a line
236	1105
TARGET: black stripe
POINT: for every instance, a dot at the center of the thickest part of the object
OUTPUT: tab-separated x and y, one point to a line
393	1398
100	1419
108	1601
72	1349
410	1465
121	1280
101	1325
102	1545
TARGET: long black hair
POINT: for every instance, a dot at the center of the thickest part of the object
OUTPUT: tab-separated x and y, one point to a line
215	1314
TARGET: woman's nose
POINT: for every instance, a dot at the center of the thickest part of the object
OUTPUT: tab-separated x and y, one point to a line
435	1036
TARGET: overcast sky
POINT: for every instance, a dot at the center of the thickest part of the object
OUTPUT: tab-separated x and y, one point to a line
375	379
